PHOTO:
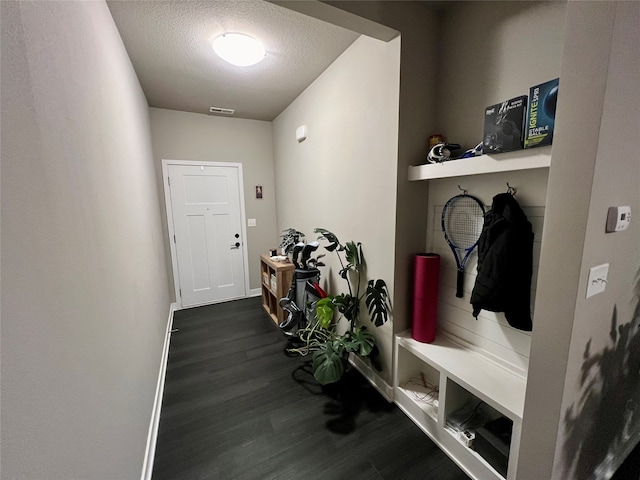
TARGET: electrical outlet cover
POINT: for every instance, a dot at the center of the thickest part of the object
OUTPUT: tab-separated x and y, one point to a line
597	282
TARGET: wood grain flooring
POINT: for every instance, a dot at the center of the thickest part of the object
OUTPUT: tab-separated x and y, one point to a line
236	407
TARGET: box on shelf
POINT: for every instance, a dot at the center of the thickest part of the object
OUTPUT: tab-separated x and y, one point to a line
504	126
274	283
541	114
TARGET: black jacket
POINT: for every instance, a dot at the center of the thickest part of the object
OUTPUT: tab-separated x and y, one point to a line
505	257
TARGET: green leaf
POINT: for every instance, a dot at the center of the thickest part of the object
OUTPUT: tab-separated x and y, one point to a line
345	271
348	306
324	311
360	341
330	237
377	301
353	253
329	363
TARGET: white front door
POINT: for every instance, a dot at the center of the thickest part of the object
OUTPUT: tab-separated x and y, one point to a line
206	214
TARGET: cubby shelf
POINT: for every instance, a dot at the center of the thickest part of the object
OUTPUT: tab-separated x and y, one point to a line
499	387
462	375
276	279
503	162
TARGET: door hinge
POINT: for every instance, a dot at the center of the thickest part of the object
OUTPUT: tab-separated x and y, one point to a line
169	181
180	290
174	239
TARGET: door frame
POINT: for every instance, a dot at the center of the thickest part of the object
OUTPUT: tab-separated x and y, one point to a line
169	213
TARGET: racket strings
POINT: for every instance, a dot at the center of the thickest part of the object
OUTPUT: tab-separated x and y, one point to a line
463	222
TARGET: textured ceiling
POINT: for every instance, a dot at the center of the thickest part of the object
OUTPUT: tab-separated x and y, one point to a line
169	43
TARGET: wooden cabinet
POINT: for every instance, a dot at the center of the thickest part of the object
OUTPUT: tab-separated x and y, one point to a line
276	280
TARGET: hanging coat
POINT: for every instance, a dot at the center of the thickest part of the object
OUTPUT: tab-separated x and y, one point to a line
505	259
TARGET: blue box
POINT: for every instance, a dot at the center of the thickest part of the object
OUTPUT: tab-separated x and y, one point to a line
541	114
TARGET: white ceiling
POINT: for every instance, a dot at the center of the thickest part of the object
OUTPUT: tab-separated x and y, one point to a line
169	43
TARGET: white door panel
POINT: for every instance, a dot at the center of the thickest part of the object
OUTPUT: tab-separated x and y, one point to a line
196	253
205	189
207	221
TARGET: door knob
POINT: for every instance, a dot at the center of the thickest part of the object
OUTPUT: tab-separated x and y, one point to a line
235	245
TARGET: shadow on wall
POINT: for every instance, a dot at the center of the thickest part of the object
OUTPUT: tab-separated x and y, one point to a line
607	414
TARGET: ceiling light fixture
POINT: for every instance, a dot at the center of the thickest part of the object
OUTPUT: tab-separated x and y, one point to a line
238	49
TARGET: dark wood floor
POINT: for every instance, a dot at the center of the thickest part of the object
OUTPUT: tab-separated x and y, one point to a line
232	410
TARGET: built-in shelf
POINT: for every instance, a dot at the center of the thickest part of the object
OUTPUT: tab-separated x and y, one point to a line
501	388
503	162
473	383
463	376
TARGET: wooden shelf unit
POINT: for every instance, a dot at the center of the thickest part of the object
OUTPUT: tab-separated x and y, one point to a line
275	280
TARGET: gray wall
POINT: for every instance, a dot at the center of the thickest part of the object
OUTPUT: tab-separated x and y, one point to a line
570	423
419	38
342	177
600	421
491	52
191	136
85	299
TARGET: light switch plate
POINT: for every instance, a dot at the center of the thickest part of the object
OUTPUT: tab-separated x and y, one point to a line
251	222
597	279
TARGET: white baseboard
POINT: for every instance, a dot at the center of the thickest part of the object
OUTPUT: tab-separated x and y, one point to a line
254	292
152	436
374	379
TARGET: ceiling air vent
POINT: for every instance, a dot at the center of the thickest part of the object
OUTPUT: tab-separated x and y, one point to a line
221	111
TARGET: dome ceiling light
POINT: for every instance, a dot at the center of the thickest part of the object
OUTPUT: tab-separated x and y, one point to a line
238	49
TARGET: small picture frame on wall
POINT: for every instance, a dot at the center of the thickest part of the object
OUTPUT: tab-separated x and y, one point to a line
259	191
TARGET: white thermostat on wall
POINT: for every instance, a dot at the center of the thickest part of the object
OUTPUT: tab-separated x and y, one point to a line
618	219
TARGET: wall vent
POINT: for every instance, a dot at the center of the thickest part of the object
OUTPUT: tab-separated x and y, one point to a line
221	111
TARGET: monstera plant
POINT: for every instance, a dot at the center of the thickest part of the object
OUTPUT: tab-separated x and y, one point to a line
323	337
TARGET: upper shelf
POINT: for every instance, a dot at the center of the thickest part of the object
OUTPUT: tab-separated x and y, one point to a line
502	162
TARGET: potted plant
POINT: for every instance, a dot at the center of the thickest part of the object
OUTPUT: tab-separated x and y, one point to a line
322	337
290	238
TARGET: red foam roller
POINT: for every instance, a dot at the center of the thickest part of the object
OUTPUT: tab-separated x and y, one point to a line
426	283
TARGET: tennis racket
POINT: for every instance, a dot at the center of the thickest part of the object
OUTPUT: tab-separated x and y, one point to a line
462	221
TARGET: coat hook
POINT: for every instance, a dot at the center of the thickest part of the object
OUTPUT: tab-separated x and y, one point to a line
511	190
464	192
